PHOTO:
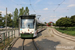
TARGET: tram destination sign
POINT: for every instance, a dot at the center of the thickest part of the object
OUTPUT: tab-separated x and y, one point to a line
28	17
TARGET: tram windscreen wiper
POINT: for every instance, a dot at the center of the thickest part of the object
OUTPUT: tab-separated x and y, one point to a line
28	26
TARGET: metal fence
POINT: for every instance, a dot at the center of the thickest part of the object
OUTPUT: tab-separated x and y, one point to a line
6	38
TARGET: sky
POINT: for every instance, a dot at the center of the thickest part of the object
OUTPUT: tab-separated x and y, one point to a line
49	10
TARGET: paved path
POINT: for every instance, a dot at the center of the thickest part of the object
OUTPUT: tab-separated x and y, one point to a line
28	45
18	45
46	40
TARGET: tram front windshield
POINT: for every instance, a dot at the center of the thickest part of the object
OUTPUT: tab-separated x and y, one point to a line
27	23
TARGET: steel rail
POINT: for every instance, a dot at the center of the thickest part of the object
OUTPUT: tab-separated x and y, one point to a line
35	44
65	34
23	44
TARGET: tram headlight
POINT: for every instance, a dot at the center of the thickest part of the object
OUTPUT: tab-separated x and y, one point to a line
28	29
22	32
31	32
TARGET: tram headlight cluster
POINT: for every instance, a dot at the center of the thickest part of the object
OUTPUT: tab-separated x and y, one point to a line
22	32
27	31
31	32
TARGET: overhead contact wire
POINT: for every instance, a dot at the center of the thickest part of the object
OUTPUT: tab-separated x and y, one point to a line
59	5
32	6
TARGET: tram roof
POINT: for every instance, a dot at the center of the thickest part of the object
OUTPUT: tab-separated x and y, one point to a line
28	17
38	21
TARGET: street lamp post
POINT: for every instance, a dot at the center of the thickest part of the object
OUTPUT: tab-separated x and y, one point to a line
6	22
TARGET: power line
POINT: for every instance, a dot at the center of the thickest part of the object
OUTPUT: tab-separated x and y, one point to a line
59	5
62	2
23	4
30	2
32	6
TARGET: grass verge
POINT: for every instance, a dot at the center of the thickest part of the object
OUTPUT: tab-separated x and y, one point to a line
7	42
69	30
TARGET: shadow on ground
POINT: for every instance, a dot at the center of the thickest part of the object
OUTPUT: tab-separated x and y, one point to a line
39	33
44	44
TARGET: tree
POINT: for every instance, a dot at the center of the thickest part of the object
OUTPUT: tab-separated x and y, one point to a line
73	20
15	14
1	20
22	11
54	24
9	20
66	17
63	22
15	17
49	24
26	11
45	22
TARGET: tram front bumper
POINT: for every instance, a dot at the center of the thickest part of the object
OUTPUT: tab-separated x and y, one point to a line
26	35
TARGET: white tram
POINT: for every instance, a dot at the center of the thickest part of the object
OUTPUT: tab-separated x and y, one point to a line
28	26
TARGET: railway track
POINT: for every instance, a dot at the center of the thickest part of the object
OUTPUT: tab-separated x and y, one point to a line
33	44
64	36
23	45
